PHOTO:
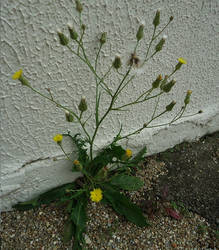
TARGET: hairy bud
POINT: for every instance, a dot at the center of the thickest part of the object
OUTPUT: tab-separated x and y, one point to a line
156	20
82	105
170	106
140	32
117	62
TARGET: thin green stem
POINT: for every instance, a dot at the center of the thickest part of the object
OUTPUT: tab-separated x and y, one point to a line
136	46
106	113
81	31
155	109
132	77
162	30
64	152
64	108
136	102
81	115
148	92
91	68
152	39
140	129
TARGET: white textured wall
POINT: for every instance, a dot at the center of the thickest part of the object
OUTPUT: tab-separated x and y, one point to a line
30	161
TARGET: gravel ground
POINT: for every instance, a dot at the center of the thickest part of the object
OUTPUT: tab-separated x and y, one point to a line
42	228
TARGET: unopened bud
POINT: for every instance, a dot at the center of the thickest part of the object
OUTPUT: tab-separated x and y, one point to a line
164	82
69	117
72	32
170	106
167	87
187	98
103	38
171	18
117	62
159	46
140	32
83	27
63	39
156	83
200	111
79	6
82	105
156	20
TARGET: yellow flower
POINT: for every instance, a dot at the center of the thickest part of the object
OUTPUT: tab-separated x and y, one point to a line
128	153
17	74
96	195
76	162
182	60
58	138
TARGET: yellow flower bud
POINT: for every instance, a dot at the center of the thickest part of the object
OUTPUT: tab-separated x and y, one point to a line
156	83
187	98
96	195
128	153
76	162
17	74
181	61
58	138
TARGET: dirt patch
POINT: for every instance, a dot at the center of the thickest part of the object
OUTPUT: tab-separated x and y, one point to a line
193	176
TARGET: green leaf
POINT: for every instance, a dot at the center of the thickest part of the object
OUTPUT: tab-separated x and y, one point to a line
106	156
81	146
79	217
124	206
126	182
22	206
69	230
55	193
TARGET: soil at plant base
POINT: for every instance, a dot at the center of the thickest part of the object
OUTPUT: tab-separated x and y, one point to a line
193	176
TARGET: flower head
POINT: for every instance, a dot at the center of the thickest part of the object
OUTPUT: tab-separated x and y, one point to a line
182	60
128	153
58	138
76	162
17	74
96	195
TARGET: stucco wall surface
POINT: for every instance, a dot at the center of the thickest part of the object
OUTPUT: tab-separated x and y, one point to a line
30	161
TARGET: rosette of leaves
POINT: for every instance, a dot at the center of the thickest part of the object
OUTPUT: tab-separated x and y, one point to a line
111	181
